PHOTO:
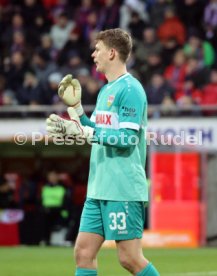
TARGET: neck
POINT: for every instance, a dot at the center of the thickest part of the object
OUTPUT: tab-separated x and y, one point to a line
115	72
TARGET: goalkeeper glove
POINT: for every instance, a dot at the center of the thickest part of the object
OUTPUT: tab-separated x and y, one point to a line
70	92
57	126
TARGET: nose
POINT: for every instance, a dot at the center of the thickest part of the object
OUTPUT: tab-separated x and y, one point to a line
93	54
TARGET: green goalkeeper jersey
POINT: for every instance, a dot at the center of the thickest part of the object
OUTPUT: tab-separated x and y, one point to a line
117	172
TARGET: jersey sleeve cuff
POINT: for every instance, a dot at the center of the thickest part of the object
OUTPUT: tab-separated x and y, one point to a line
129	125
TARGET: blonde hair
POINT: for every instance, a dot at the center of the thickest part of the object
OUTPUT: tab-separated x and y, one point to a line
118	39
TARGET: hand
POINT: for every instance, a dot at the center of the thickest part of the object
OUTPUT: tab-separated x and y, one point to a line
57	126
70	92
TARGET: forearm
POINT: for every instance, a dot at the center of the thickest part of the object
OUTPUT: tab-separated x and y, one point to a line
120	138
85	121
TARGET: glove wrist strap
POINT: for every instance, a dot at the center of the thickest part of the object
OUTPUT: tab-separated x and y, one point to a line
79	110
88	133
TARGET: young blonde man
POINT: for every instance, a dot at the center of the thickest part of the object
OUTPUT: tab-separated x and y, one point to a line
117	187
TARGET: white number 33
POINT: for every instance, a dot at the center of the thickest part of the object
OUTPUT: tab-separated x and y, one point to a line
118	221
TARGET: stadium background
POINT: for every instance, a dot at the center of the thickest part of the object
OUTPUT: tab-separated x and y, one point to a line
174	57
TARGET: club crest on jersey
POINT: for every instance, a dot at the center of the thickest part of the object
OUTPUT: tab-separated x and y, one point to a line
110	100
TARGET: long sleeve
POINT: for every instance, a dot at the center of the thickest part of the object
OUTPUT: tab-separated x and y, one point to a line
85	121
118	138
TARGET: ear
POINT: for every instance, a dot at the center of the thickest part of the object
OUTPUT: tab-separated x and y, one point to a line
112	54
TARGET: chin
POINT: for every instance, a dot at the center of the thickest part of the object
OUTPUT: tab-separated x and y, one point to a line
100	69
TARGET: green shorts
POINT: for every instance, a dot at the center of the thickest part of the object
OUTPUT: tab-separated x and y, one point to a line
114	220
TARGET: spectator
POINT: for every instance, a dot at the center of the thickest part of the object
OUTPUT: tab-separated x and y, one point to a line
6	194
37	20
16	71
209	95
83	76
158	90
31	227
197	74
60	31
210	14
210	22
31	9
89	96
58	7
28	193
148	44
109	15
48	94
129	7
187	106
199	48
83	12
47	46
154	64
17	25
139	7
42	65
19	44
74	64
78	199
168	107
52	196
175	73
28	94
49	4
191	12
170	46
171	27
136	25
157	11
7	96
188	90
90	27
132	66
73	45
86	54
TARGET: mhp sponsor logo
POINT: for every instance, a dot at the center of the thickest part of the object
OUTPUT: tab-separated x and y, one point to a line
129	111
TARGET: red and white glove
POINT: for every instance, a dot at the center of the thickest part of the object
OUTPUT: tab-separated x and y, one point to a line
69	91
59	127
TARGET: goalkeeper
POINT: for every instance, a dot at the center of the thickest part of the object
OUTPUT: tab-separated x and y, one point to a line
117	186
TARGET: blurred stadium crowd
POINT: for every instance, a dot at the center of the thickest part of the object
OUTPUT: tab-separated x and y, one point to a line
50	201
174	53
174	56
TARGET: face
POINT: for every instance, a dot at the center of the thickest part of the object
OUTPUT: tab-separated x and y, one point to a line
18	38
149	35
46	41
192	65
194	42
101	56
189	2
29	79
17	20
17	59
53	177
179	58
62	21
213	76
157	80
